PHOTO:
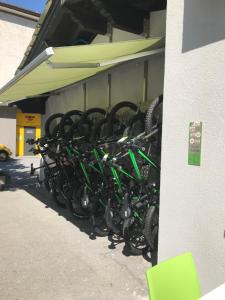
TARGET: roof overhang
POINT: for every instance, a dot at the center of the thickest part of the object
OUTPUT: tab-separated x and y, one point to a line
19	11
75	22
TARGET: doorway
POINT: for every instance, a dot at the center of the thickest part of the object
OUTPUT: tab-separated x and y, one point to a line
29	133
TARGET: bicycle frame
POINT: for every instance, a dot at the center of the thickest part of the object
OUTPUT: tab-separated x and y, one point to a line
117	170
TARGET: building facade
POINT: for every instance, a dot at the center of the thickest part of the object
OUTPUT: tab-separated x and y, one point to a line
16	29
191	77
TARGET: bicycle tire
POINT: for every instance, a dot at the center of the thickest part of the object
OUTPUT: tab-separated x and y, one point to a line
97	129
67	119
115	109
85	119
94	110
133	250
49	121
150	114
55	131
151	229
99	225
74	205
138	117
73	131
85	132
123	104
115	228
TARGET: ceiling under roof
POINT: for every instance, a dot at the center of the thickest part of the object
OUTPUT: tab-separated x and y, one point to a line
74	22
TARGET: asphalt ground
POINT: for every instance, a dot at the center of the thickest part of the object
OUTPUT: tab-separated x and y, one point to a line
47	255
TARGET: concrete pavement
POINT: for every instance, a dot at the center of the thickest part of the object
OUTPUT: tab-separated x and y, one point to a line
45	255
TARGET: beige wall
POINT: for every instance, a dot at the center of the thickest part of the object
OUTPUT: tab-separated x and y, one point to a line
8	133
97	91
15	35
127	82
8	127
121	35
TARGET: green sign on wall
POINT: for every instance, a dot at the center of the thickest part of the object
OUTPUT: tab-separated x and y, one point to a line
195	141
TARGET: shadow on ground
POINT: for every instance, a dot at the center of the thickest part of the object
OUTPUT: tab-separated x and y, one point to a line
18	177
43	196
18	174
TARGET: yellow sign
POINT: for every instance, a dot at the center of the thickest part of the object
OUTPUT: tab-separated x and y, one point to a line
29	120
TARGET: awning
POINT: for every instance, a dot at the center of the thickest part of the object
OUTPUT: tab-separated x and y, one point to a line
58	67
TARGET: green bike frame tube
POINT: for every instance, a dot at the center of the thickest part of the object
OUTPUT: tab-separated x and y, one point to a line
85	172
116	177
136	215
94	168
69	152
98	160
74	151
134	162
147	158
126	173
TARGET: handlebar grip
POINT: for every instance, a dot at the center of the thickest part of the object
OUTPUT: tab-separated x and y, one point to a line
35	151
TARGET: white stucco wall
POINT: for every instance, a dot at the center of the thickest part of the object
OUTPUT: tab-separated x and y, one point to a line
15	35
192	206
8	133
71	98
127	83
97	91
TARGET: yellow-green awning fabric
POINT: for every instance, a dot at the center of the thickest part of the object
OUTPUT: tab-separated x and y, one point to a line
58	67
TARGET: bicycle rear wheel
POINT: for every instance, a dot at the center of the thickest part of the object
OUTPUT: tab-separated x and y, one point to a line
153	116
51	123
152	227
112	129
68	120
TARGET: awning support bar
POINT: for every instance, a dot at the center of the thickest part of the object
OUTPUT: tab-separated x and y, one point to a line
106	62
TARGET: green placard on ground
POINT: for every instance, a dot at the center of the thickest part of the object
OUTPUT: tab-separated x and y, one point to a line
195	141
